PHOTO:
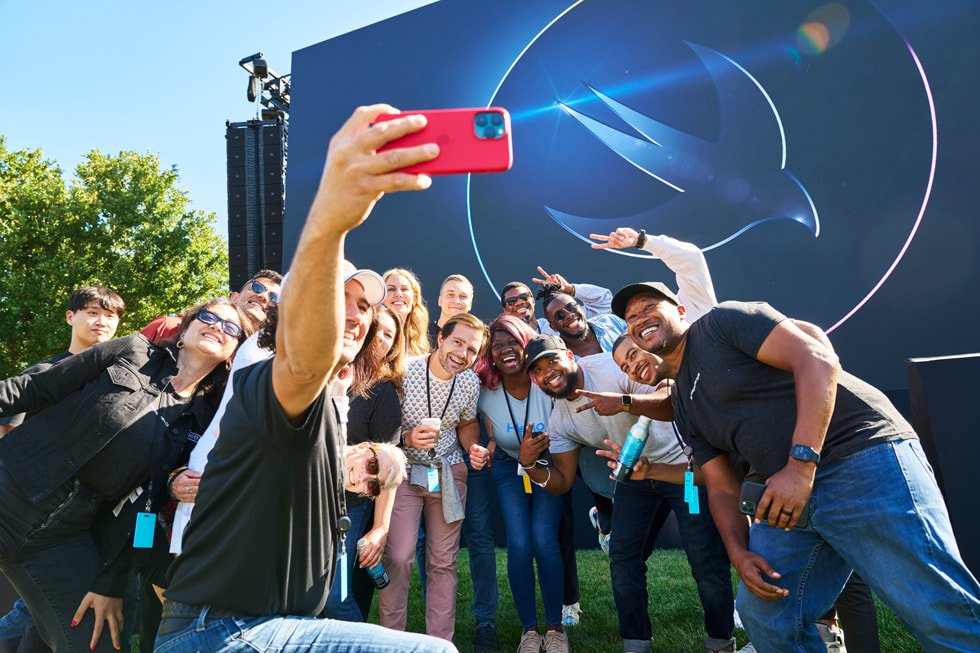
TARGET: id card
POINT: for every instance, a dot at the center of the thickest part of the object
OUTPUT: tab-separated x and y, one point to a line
145	527
433	480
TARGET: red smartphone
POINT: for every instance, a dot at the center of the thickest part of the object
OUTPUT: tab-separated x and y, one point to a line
470	140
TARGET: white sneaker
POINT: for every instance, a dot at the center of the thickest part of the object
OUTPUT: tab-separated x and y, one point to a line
833	638
555	642
603	537
748	648
570	614
530	642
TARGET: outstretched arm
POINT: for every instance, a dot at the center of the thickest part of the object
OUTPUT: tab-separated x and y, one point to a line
355	176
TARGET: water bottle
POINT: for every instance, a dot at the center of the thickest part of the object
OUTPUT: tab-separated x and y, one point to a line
377	572
631	450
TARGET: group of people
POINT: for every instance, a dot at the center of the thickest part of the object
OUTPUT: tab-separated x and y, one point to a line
255	461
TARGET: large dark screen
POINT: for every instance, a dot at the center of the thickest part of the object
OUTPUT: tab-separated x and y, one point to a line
823	155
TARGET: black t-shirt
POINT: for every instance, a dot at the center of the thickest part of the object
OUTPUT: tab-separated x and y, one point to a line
375	418
726	401
262	538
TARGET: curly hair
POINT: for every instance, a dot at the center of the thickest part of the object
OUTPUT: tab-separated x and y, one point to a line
417	320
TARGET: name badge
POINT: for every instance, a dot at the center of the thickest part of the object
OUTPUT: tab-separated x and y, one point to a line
527	479
145	527
433	480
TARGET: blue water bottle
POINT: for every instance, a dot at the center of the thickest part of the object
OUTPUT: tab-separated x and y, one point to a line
632	448
377	572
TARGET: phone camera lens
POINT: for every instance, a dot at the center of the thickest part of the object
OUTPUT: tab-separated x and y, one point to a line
490	132
496	119
481	120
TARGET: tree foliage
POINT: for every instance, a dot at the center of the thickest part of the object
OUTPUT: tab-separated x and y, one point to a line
121	223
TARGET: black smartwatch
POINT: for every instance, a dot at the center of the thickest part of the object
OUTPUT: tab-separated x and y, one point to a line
805	454
627	403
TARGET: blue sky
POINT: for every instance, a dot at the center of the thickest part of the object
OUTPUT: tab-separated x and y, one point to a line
153	77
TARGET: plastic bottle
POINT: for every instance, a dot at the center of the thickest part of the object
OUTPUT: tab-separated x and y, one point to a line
377	572
632	448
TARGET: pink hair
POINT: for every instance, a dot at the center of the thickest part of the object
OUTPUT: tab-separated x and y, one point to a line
485	369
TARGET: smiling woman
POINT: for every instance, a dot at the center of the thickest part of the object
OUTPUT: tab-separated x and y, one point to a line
81	481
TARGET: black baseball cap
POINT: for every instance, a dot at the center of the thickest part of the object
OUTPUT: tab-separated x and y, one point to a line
624	294
541	345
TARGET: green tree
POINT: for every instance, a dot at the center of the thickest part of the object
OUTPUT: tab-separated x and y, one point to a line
121	223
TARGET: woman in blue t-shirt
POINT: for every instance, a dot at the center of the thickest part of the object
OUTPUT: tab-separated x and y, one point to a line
513	407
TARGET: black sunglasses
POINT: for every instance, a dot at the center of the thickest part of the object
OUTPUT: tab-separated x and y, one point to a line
570	308
258	289
523	297
207	317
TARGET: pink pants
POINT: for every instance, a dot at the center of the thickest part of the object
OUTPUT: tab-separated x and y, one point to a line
441	547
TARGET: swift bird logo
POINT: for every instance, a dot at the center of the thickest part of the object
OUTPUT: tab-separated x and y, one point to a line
724	187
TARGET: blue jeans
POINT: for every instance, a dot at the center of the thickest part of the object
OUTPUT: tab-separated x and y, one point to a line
13	623
348	609
479	545
532	536
635	525
880	513
293	634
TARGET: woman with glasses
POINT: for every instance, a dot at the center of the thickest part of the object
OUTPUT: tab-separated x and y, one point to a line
513	408
404	297
82	480
375	415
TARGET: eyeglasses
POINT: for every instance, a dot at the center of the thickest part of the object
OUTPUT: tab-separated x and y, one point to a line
571	308
372	467
523	297
258	289
207	317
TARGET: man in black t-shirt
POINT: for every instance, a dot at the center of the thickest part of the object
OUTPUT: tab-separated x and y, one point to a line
750	382
258	556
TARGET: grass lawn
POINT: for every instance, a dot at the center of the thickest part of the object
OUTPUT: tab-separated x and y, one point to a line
675	611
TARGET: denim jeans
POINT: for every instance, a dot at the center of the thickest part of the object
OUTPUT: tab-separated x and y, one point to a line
636	522
293	634
532	536
13	623
879	512
478	534
348	610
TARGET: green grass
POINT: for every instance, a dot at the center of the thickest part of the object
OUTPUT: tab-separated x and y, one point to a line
675	611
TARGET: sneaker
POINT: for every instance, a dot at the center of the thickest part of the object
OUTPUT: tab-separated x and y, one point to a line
603	537
556	642
570	614
833	638
530	642
748	648
486	639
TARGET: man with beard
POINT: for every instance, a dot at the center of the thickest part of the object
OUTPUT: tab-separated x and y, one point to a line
750	381
518	300
260	550
635	519
438	388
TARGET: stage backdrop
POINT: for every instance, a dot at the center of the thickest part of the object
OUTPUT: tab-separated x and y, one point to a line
823	155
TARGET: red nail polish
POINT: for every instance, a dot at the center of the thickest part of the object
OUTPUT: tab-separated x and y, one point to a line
92	647
74	622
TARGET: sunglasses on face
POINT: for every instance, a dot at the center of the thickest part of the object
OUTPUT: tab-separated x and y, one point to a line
523	297
209	318
258	289
372	467
571	308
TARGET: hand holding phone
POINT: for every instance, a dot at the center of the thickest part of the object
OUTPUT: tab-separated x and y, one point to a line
469	140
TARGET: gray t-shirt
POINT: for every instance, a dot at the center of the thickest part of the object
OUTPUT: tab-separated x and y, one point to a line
570	430
727	401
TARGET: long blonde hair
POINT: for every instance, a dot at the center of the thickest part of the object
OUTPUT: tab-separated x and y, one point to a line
417	321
